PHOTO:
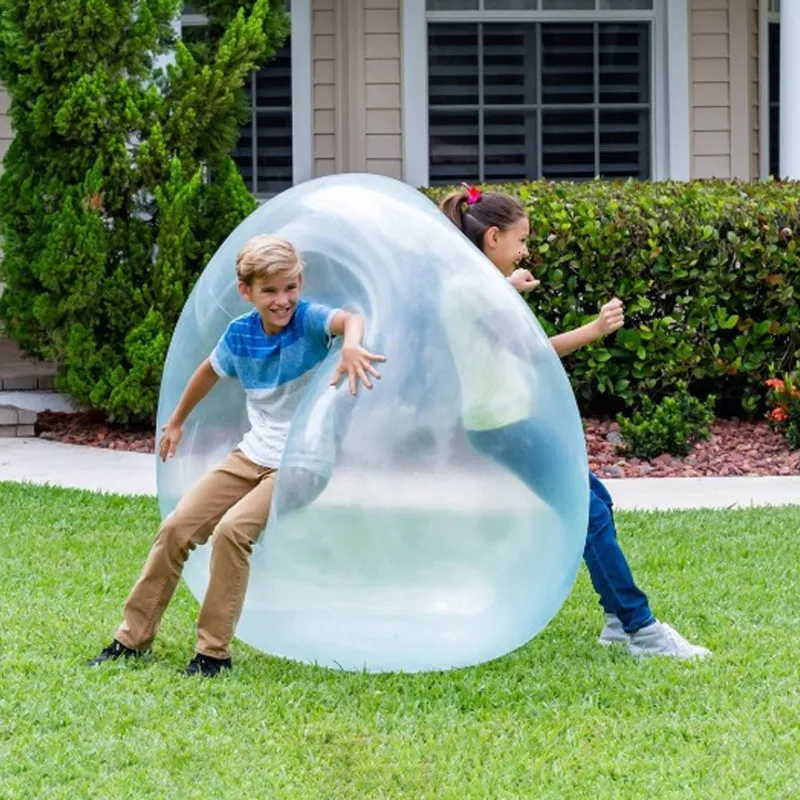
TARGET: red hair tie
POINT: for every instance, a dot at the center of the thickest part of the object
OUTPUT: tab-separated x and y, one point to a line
473	194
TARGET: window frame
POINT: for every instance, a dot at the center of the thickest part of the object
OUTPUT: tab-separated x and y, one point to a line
302	93
670	146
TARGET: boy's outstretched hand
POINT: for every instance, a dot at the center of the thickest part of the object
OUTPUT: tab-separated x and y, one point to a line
612	317
357	364
171	434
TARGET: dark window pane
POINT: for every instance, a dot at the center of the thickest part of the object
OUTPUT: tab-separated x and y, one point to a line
266	163
510	146
509	64
774	62
274	82
452	64
243	155
453	147
774	140
568	5
568	144
626	4
625	144
567	63
452	5
506	5
531	72
273	152
624	63
774	98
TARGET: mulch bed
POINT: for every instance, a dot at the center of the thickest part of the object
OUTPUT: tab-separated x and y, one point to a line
91	428
735	447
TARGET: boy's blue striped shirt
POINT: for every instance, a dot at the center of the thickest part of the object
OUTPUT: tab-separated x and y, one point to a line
274	370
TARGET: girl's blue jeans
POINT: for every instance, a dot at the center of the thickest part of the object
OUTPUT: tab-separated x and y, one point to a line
515	447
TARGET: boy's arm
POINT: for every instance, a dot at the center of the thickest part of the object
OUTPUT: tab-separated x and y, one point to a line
611	318
356	361
200	384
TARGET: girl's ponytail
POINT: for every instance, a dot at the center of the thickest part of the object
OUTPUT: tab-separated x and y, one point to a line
474	212
453	207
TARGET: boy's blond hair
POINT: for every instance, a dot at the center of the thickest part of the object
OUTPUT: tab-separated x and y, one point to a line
265	256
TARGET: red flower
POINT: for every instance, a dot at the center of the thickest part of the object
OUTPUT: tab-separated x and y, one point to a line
778	414
776	383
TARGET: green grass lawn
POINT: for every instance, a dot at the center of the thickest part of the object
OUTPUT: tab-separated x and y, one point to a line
560	718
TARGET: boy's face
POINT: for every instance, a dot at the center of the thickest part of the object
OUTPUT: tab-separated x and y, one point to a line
274	297
508	247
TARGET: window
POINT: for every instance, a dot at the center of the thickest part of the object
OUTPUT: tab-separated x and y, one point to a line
774	92
264	150
520	89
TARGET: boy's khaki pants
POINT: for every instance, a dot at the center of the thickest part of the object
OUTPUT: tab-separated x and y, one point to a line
232	503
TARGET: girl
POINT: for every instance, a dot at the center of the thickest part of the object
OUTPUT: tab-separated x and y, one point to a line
498	225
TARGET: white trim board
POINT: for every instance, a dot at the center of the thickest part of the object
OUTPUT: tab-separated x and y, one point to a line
302	93
675	66
414	77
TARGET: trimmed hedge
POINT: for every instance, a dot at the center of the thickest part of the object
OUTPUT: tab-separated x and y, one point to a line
708	272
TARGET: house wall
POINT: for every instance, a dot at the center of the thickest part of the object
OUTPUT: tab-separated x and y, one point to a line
711	87
356	73
755	120
724	97
356	77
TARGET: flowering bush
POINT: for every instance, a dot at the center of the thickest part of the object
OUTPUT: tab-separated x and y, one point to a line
784	402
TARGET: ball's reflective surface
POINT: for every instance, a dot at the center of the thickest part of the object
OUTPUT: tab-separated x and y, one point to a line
435	522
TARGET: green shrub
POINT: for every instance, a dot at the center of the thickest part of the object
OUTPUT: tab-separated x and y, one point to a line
708	272
672	426
106	212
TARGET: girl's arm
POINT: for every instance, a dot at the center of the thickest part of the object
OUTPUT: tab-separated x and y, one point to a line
612	317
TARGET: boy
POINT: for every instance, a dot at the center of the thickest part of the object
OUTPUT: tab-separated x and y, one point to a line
273	351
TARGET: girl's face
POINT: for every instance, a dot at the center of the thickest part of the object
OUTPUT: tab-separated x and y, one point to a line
506	248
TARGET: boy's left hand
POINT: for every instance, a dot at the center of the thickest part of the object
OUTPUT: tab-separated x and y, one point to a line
356	362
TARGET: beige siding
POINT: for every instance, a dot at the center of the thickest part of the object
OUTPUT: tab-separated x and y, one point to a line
323	64
356	63
755	120
711	102
724	98
384	146
5	126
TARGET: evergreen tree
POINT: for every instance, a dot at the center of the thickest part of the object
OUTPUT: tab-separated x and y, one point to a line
118	185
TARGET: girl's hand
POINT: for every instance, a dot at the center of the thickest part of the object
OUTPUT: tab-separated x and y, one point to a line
522	280
356	362
612	317
171	434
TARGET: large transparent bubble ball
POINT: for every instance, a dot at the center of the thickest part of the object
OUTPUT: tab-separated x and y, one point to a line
397	539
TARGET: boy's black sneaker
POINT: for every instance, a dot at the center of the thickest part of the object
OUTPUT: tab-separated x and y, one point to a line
207	666
114	651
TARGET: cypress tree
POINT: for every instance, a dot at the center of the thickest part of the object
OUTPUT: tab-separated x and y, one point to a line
118	186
